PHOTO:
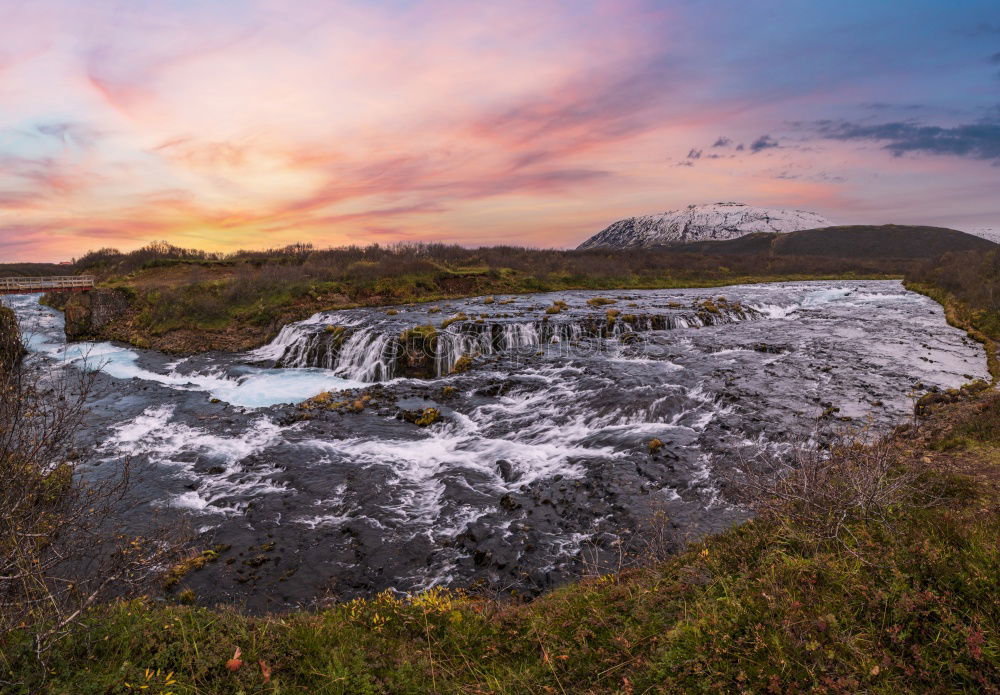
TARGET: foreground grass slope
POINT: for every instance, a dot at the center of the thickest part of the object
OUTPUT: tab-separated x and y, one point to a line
900	601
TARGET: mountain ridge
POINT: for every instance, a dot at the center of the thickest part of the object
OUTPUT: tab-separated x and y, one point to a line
850	241
715	221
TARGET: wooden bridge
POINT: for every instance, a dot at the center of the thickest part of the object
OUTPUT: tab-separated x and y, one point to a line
55	283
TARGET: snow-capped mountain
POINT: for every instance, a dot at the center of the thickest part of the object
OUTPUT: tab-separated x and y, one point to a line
701	223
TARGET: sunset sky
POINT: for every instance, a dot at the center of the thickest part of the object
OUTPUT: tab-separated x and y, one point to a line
222	124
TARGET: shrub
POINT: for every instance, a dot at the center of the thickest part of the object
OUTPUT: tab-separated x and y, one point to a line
61	547
824	490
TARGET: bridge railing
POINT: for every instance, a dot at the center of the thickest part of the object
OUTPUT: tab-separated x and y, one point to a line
55	282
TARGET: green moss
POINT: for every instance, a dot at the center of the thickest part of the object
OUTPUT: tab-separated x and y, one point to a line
419	334
463	364
190	564
424	417
557	307
454	319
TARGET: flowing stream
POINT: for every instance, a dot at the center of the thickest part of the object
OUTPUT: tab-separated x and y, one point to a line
539	465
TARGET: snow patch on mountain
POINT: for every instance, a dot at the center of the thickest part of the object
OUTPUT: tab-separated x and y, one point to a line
991	233
702	223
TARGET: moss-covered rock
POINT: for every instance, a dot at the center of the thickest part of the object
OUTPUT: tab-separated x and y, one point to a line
463	364
600	301
460	316
557	307
423	417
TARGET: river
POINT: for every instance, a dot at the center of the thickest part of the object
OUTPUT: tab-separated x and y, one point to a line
539	467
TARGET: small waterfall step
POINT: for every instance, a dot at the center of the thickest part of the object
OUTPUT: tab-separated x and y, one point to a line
379	350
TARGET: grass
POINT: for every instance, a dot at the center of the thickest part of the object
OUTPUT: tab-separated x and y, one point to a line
901	605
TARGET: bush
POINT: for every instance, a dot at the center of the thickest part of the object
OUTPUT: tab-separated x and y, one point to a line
61	548
823	491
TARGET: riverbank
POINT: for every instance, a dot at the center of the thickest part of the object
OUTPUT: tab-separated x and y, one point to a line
185	302
977	324
901	599
172	318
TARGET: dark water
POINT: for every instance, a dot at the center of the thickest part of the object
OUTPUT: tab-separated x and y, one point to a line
540	463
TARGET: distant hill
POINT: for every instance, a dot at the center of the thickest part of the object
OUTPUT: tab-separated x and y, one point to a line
701	223
856	241
35	269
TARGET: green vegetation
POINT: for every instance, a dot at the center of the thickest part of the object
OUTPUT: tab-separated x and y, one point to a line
191	563
336	402
558	306
424	417
454	319
420	335
462	364
967	285
600	301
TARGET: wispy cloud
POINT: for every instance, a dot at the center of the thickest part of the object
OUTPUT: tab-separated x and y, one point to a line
979	140
764	142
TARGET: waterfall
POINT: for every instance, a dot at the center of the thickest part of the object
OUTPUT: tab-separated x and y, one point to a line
367	355
378	353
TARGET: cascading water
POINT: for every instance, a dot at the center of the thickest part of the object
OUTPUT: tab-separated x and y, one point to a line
341	343
540	451
365	356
